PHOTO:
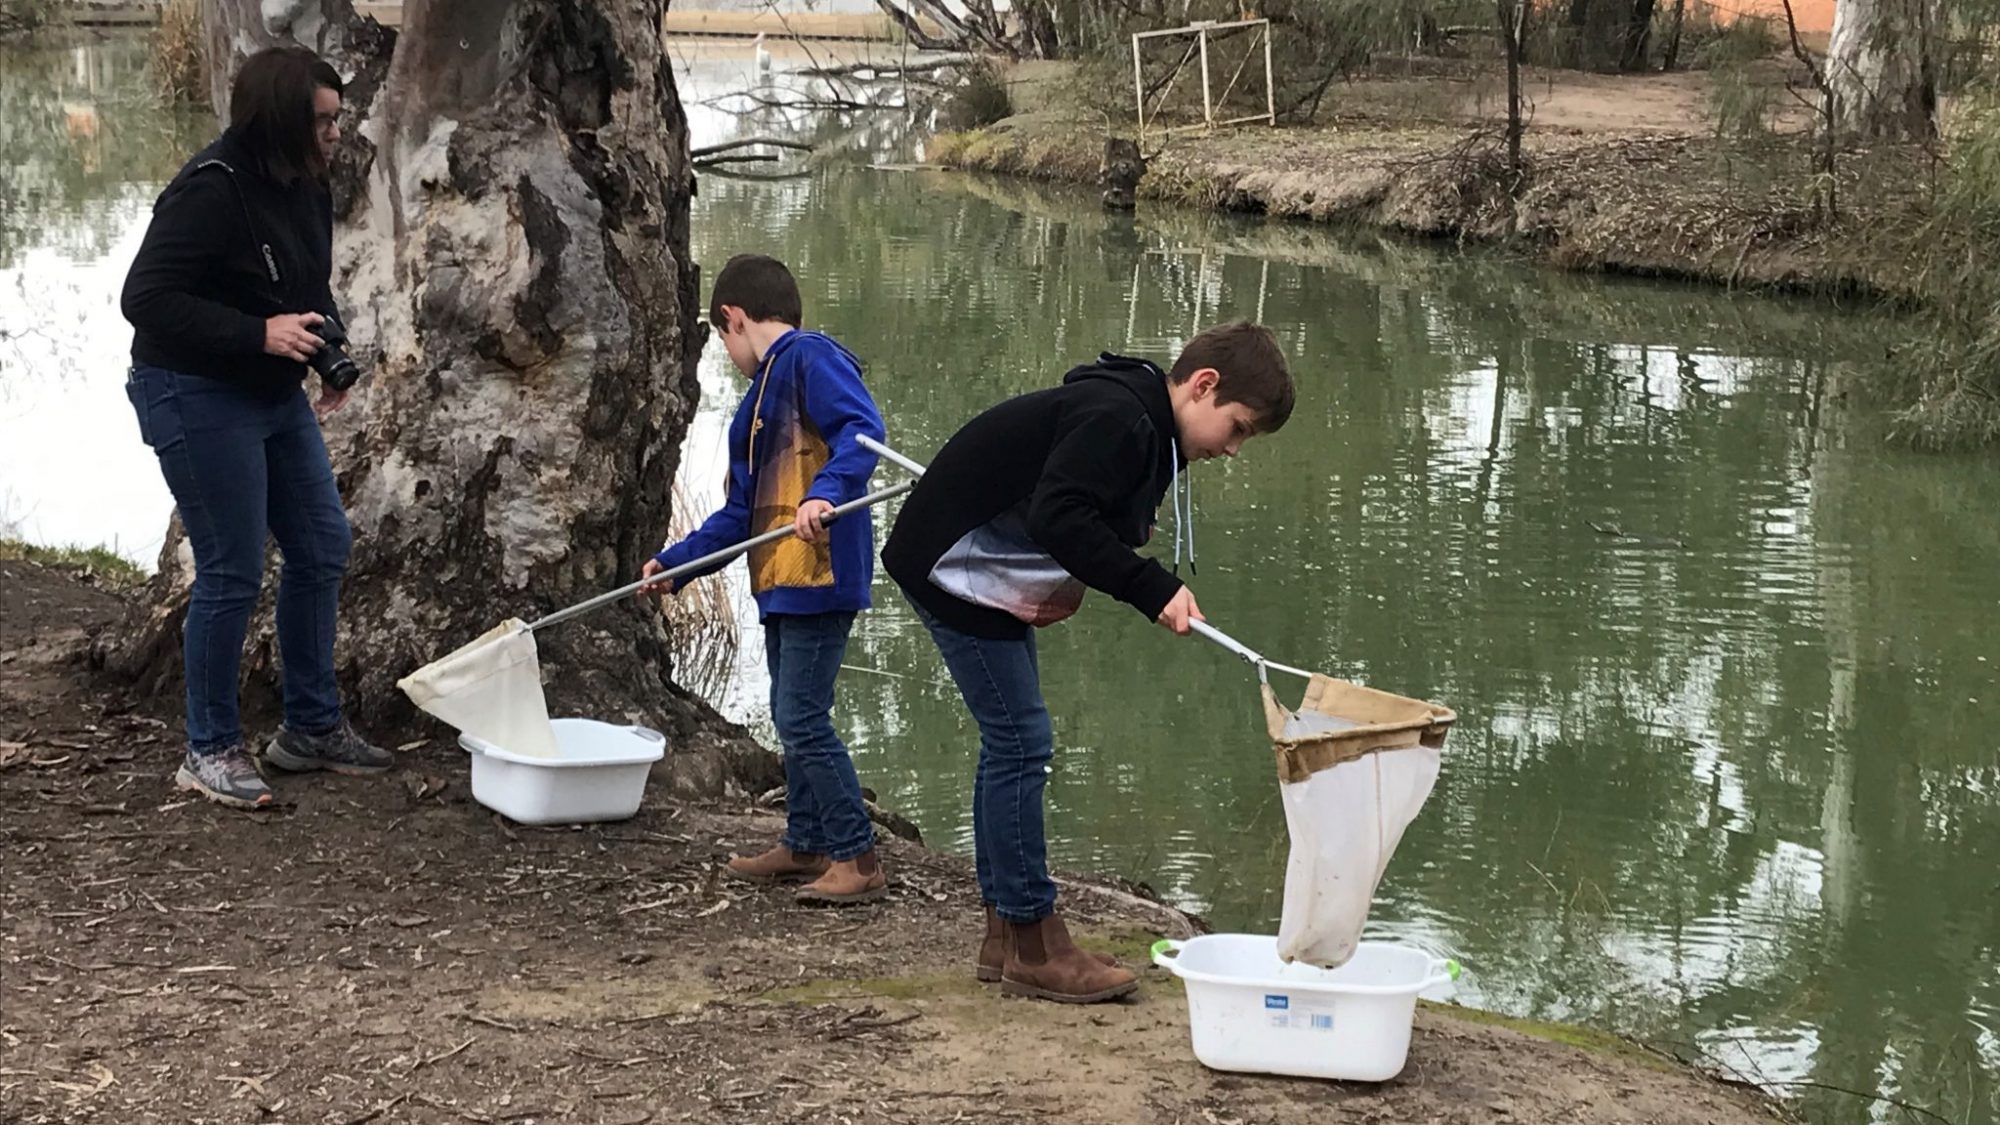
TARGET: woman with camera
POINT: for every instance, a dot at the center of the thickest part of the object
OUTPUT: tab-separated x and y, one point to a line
230	300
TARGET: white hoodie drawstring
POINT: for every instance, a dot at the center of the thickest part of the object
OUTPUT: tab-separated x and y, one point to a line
1183	512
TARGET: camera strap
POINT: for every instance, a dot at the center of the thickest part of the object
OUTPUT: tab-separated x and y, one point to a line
249	221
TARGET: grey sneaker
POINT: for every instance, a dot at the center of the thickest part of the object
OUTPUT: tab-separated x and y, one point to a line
339	750
228	776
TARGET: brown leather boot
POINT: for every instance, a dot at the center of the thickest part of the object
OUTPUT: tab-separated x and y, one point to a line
993	950
848	881
1044	963
780	864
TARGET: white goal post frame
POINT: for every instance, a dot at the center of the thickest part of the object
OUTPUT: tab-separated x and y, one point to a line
1201	31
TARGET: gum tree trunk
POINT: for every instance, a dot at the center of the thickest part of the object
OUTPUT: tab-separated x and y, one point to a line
1879	67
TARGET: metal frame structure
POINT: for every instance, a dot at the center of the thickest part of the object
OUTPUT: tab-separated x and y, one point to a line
1201	31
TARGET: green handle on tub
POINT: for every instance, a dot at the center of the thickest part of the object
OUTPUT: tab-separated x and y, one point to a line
1162	948
1452	968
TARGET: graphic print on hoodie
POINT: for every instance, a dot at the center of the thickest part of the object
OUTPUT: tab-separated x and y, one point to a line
1000	566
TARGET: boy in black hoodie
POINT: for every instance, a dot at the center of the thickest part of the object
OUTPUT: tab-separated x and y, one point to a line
1024	507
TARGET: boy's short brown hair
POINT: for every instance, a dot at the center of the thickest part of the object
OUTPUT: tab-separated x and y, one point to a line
1252	369
761	286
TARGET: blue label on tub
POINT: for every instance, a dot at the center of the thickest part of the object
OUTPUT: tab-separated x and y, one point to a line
1279	1002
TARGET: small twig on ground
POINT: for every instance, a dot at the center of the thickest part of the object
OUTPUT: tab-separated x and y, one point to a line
441	1056
851	1028
640	907
489	1021
378	1111
627	1021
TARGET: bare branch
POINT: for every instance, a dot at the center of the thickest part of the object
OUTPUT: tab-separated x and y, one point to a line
914	29
880	70
748	142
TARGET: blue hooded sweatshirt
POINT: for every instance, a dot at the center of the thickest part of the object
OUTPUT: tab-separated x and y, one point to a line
793	440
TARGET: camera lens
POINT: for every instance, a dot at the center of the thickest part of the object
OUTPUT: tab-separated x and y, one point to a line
337	370
340	374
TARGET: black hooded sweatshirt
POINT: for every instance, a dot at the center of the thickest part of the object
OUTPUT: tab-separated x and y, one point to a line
228	247
1038	493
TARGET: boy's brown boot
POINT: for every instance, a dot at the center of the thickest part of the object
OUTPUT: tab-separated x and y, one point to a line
848	881
1043	963
993	950
780	864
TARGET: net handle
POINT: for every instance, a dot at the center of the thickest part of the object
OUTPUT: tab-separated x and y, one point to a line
1249	654
721	556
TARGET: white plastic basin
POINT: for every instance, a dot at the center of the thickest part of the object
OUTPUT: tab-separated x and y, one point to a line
1249	1011
599	775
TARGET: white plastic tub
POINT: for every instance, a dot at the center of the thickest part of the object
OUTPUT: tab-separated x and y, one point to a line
599	775
1249	1011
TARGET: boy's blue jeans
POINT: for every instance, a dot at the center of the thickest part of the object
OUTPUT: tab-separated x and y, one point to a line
824	814
1001	684
241	467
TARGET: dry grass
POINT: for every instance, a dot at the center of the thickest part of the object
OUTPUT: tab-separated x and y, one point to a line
1951	382
180	65
93	565
701	619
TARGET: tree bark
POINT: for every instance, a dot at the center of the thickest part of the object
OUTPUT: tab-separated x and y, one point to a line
237	29
1040	34
1119	174
1511	13
516	278
1673	55
914	29
1880	69
968	33
1608	35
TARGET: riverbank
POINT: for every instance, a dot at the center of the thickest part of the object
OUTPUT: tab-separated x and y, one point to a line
388	950
1622	174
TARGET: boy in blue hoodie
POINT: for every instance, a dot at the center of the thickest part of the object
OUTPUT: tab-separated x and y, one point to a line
793	457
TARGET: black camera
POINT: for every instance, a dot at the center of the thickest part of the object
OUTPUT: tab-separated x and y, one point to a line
337	370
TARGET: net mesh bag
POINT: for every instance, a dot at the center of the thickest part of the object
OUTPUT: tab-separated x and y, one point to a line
490	689
1354	768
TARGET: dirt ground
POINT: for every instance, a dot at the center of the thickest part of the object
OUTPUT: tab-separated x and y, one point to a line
386	950
1563	101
